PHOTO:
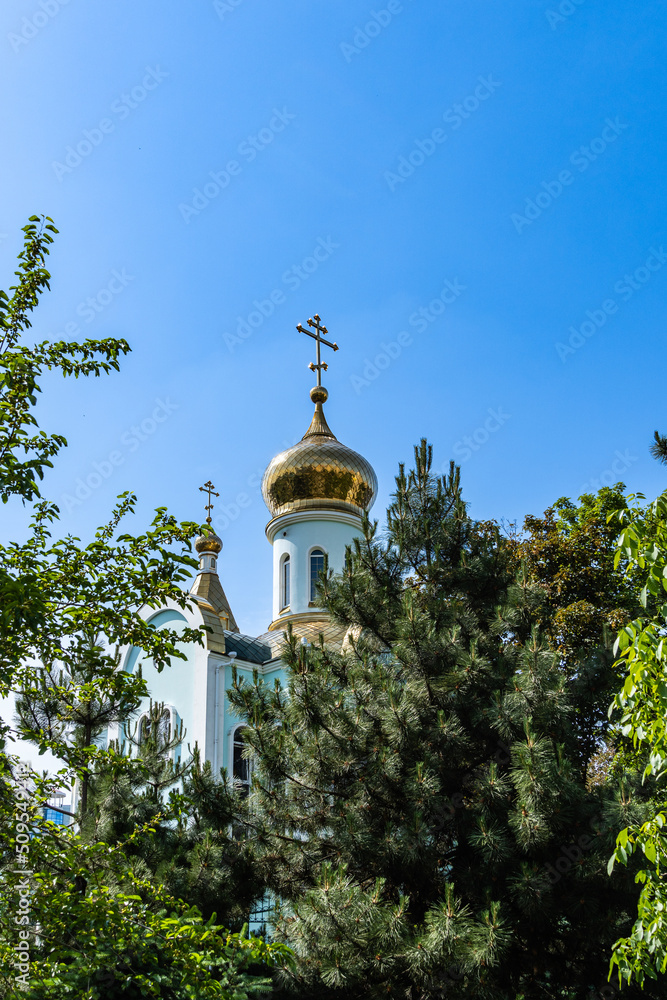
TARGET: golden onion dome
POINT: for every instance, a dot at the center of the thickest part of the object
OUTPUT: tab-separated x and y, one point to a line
319	472
208	543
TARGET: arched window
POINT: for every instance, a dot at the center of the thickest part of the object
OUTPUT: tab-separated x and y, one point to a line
316	567
161	729
240	766
158	728
285	583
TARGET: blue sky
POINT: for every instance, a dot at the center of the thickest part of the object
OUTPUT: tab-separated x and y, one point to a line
470	193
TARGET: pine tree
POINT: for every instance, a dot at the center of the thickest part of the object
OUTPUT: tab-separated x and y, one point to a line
420	806
659	447
129	798
211	865
192	848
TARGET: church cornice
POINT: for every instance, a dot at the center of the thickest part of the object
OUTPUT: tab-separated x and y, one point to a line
321	513
304	618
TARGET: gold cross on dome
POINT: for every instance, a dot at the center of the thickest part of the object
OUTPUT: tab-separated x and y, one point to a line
210	489
319	339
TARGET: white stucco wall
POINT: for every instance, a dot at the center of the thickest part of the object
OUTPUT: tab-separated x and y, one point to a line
296	535
189	687
180	686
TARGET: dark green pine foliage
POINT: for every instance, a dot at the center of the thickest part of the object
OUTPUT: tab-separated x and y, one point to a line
419	803
212	865
191	848
141	794
659	447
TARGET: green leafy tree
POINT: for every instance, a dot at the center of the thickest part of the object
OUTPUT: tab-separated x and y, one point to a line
53	594
587	596
76	917
570	551
69	711
107	933
25	450
642	704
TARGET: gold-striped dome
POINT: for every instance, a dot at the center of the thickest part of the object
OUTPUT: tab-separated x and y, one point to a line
319	472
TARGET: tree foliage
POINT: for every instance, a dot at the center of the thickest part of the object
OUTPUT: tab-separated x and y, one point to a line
25	450
659	447
68	710
81	917
191	847
642	704
587	597
420	806
108	933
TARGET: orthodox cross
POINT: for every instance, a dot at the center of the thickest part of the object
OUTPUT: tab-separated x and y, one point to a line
319	339
210	489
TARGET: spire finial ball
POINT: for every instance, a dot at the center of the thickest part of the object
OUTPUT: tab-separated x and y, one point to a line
319	394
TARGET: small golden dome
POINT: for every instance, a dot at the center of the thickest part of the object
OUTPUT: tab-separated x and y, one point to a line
208	543
319	472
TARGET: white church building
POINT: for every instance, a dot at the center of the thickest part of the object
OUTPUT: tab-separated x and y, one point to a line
316	493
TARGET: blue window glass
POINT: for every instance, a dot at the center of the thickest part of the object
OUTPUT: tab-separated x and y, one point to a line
285	583
56	816
316	567
261	915
240	765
